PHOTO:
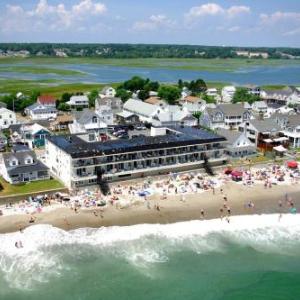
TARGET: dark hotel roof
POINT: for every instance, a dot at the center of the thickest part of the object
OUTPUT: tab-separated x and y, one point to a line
78	148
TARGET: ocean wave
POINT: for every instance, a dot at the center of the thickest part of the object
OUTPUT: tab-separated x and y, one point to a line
45	247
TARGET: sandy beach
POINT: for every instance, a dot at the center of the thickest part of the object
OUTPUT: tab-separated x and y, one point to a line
172	209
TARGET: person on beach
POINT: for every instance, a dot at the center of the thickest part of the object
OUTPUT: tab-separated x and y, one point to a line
221	213
32	220
221	191
148	204
228	211
202	214
95	214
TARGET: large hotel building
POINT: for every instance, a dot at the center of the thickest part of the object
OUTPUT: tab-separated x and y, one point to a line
80	160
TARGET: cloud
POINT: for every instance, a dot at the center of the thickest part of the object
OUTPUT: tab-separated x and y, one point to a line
153	23
234	29
50	17
213	9
285	23
279	17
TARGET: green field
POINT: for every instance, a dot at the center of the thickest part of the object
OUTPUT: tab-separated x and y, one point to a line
39	70
32	187
49	86
200	64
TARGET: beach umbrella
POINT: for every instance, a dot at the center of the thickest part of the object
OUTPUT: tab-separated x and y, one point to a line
292	164
236	173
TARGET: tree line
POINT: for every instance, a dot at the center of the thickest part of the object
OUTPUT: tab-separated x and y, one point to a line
143	50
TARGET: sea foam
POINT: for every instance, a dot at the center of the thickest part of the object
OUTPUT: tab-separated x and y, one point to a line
141	245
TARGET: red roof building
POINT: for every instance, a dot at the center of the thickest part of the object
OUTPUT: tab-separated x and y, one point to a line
46	100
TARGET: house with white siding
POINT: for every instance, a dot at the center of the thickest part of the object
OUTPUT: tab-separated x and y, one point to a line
7	118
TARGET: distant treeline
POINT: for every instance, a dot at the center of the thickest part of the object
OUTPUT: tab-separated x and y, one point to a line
141	50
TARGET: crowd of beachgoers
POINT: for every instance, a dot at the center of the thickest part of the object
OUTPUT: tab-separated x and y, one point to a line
141	191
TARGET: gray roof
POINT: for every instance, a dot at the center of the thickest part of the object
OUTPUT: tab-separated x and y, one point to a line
85	116
22	167
293	121
232	109
230	135
39	108
140	107
266	125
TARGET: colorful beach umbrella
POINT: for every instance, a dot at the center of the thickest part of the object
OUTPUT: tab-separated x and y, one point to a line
292	164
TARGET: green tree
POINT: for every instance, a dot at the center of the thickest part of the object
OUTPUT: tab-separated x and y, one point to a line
169	93
134	84
92	97
243	95
63	106
123	94
65	97
143	95
197	115
198	86
208	99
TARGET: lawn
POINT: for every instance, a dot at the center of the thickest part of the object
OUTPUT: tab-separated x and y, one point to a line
32	187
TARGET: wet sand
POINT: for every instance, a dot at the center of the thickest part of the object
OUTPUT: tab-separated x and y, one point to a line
171	210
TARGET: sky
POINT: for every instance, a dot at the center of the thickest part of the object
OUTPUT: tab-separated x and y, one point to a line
197	22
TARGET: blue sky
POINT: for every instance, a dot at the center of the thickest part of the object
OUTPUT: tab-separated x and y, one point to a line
230	22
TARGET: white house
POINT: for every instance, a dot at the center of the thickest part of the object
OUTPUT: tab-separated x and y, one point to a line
228	93
79	101
212	92
87	121
238	145
158	115
7	118
228	116
107	91
38	111
286	96
22	167
105	114
259	106
290	125
114	103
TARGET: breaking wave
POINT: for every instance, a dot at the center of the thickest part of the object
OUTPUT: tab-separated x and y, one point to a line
46	248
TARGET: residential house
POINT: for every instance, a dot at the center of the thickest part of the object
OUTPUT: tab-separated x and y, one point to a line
62	122
260	107
154	100
157	115
185	92
212	92
264	133
46	100
289	95
81	101
107	92
38	111
253	90
228	116
228	93
7	118
32	134
22	167
191	99
115	104
105	114
87	121
238	145
290	125
3	141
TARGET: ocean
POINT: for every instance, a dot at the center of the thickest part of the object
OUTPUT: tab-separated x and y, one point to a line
252	257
